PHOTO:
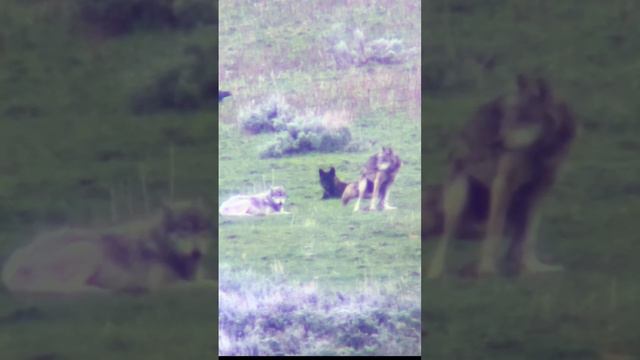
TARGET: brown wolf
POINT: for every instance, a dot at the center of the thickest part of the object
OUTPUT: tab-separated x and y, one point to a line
333	187
507	159
377	176
165	249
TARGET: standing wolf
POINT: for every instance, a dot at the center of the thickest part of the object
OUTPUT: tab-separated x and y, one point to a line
507	159
377	176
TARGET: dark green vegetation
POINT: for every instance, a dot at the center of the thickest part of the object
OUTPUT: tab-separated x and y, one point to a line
589	53
72	152
284	49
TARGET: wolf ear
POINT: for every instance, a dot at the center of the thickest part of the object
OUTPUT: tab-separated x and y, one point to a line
332	171
321	172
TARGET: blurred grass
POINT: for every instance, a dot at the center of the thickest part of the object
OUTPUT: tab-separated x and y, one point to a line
67	141
588	53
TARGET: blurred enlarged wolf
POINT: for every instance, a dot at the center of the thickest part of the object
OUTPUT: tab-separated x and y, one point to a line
507	159
376	178
162	250
266	203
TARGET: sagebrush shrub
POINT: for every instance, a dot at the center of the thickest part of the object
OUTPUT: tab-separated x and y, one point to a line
306	136
385	51
295	133
355	50
270	116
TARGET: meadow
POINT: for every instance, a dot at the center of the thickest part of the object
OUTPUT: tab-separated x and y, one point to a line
586	50
370	260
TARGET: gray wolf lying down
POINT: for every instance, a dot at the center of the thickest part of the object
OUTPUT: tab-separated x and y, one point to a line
266	203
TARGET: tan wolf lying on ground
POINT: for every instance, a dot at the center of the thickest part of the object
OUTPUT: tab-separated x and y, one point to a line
377	176
508	157
266	203
165	249
332	186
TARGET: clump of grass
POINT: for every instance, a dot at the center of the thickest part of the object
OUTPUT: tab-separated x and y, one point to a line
272	115
259	317
307	134
356	50
295	133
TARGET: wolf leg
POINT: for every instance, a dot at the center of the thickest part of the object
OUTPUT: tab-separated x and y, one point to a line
362	187
385	200
501	193
375	195
530	262
455	195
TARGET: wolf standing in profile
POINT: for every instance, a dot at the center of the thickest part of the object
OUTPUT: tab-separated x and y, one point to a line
377	176
507	160
333	187
266	203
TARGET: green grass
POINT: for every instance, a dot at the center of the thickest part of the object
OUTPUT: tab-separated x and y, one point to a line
320	240
587	53
285	50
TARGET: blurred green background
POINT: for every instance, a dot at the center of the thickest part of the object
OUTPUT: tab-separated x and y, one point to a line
95	96
588	51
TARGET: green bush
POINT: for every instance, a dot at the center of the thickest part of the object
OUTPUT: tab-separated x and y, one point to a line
353	49
297	140
271	116
295	133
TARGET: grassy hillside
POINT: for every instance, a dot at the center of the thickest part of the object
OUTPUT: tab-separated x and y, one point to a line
586	49
72	152
284	48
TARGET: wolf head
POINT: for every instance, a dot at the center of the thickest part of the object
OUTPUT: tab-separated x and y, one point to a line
536	116
278	196
183	237
386	158
328	181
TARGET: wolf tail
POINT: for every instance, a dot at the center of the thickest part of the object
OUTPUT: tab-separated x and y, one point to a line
350	192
